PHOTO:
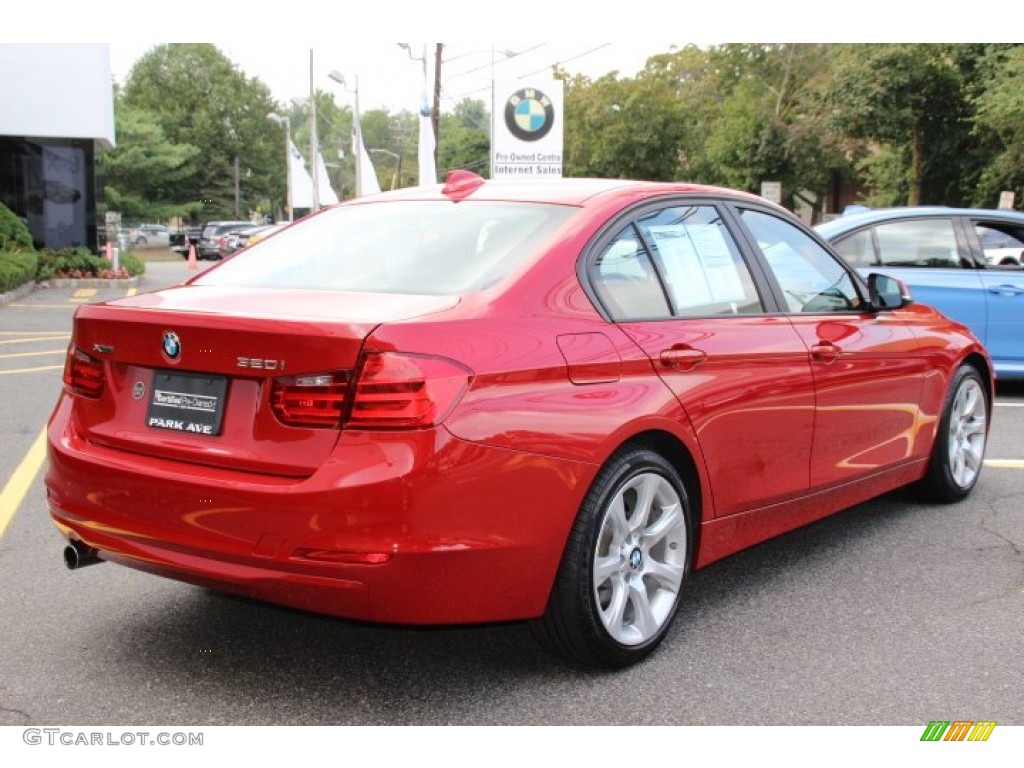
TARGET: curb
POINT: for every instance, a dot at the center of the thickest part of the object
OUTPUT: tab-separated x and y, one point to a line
17	293
89	282
67	282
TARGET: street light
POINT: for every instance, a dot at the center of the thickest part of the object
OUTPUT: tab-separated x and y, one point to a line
276	118
339	78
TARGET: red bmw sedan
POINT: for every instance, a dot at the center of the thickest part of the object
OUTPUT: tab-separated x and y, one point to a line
492	401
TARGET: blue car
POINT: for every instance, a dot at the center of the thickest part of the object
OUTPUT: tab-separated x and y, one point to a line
964	262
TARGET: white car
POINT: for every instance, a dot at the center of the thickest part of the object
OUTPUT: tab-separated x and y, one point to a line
149	234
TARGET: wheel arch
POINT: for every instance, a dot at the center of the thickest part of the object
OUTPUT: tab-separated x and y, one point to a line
981	364
678	454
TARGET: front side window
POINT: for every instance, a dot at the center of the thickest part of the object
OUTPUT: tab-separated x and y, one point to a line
811	278
1002	244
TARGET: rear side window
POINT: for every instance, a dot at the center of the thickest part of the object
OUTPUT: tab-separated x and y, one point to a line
704	273
918	243
858	249
415	247
679	261
626	280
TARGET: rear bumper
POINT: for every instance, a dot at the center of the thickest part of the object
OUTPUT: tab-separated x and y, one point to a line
441	531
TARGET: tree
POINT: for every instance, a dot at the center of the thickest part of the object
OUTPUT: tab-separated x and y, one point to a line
466	139
621	128
907	98
145	176
1000	123
770	122
199	98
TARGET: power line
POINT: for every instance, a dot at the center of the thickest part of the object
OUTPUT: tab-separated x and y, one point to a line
564	61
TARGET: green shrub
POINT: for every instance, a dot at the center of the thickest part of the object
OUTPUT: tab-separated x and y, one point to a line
16	269
132	263
14	235
81	262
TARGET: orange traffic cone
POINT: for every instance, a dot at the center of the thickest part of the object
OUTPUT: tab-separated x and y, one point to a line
192	267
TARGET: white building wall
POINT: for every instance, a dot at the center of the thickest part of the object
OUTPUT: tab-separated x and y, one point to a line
57	91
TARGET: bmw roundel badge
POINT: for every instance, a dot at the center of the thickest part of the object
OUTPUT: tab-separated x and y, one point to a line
529	114
172	345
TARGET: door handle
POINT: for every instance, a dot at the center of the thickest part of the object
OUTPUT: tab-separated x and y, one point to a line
682	357
825	352
1006	290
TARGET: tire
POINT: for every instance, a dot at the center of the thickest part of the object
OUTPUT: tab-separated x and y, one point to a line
959	449
141	241
628	554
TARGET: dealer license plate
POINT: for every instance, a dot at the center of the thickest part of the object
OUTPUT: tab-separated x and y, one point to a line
186	402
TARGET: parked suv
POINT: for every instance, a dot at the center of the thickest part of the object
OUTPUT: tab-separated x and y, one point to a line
211	234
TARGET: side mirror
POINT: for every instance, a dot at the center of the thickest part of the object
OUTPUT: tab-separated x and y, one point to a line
887	292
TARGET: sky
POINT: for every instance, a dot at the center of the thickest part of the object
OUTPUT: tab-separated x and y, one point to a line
271	40
389	78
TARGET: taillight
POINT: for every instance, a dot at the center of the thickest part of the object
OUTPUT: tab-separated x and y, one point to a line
310	401
402	390
393	390
83	373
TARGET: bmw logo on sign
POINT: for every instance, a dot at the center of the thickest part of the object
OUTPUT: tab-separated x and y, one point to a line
172	345
529	114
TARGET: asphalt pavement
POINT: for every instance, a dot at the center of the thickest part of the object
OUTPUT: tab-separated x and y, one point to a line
891	613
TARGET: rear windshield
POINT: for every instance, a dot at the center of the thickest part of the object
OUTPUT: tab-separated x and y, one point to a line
417	247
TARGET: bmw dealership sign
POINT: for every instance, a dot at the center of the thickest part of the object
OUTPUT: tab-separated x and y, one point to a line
526	131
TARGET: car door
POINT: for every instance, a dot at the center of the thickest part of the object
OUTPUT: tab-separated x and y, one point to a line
928	254
1003	283
675	281
867	372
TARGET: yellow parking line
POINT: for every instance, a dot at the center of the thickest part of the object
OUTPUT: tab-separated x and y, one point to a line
131	292
34	354
14	492
1005	463
37	338
41	306
84	293
33	370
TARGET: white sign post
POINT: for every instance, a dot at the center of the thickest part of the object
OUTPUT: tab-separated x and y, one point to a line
113	222
772	191
1006	200
526	129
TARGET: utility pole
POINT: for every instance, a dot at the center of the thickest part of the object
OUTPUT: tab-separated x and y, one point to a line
237	188
435	116
313	149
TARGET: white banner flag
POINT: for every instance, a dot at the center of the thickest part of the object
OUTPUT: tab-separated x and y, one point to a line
300	180
428	168
327	195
